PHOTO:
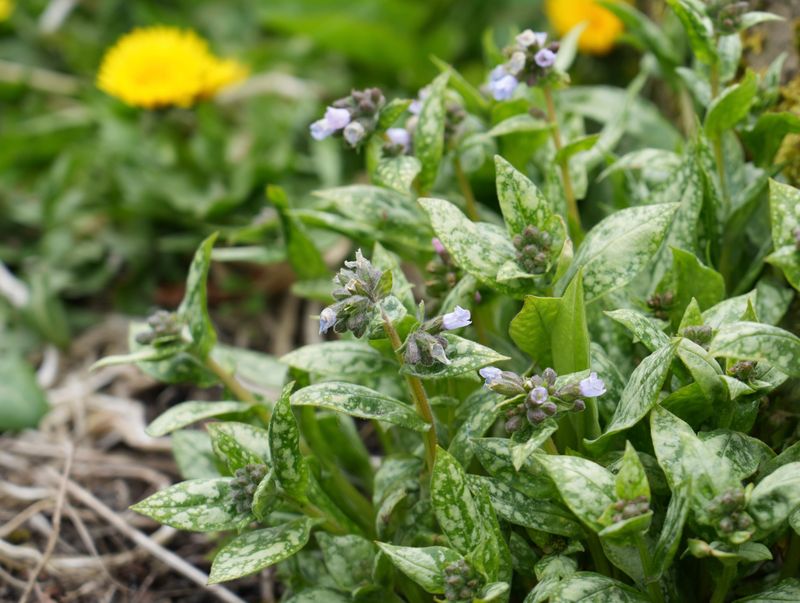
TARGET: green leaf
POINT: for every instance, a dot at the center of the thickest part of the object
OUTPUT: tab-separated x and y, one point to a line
776	497
640	393
306	260
570	335
262	371
495	454
731	106
516	124
474	101
568	47
765	137
729	310
643	328
465	357
319	595
479	413
619	247
520	453
787	590
744	452
517	508
671	531
359	401
349	559
521	202
588	587
532	329
194	455
453	504
194	307
585	487
425	566
392	111
288	464
429	133
239	444
631	480
253	551
23	401
788	260
755	341
186	413
691	279
584	143
338	358
704	369
491	557
647	34
698	30
198	505
784	212
397	173
477	248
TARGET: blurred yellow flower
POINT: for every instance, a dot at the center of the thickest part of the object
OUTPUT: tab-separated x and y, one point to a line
163	66
6	8
603	26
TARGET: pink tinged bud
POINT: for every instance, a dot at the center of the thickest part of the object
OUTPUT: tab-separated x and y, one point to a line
529	38
399	137
337	118
456	319
437	246
491	374
327	318
592	386
545	58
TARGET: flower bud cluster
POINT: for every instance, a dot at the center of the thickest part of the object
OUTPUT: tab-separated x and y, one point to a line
359	288
165	327
700	334
426	345
541	399
628	509
661	303
743	370
530	59
443	274
244	484
533	250
355	116
461	582
726	14
728	514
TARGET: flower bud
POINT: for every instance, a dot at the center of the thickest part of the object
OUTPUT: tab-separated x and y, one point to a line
536	416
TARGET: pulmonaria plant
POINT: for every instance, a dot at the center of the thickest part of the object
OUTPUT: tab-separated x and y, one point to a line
530	61
584	414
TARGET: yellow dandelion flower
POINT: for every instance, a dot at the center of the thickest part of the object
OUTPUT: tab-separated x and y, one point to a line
6	8
603	26
163	66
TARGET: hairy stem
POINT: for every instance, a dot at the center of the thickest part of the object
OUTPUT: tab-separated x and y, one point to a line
724	583
573	215
417	393
466	190
229	380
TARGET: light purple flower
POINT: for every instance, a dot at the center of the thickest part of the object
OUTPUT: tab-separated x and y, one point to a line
528	38
354	132
501	83
456	319
416	105
539	395
327	318
492	374
335	119
399	137
592	386
545	58
437	246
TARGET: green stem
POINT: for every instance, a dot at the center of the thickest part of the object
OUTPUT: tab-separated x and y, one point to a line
724	584
653	588
417	393
466	190
791	563
573	215
598	556
330	525
229	380
719	155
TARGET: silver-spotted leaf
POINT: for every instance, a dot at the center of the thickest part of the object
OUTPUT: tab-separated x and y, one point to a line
186	413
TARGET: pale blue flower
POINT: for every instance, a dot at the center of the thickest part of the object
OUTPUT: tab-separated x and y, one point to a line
456	319
539	395
327	318
492	375
502	84
545	58
399	137
334	120
516	63
592	386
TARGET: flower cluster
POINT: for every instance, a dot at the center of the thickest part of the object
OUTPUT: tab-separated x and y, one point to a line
700	334
165	328
728	516
427	346
726	14
533	250
742	370
461	582
160	66
660	304
359	288
540	398
355	116
530	60
628	509
244	484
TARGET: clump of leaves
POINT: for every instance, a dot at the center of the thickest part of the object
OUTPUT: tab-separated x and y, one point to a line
616	450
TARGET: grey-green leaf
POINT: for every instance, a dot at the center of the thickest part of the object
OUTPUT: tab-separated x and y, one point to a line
359	401
239	444
755	341
338	358
429	133
186	413
521	202
256	550
453	504
425	565
465	356
776	497
194	307
288	464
